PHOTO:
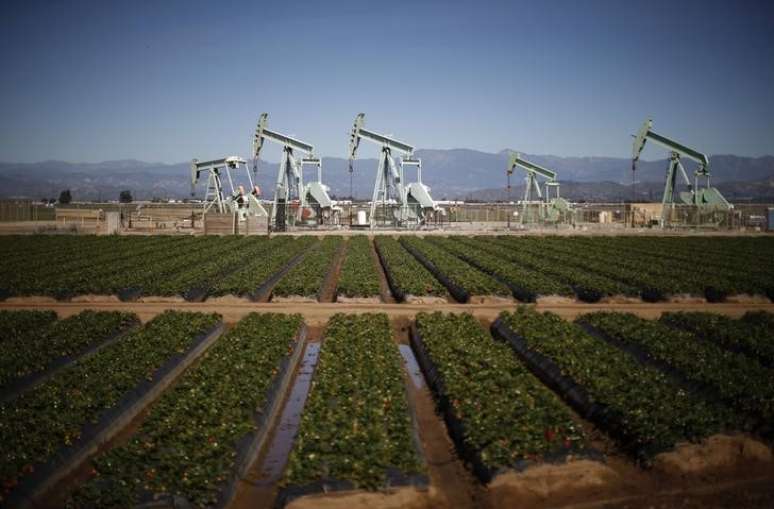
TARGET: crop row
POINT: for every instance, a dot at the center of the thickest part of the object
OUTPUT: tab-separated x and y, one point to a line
462	279
306	279
638	405
59	408
495	408
34	350
405	274
587	285
256	272
187	445
591	259
356	425
195	282
17	324
359	276
525	283
738	380
693	269
752	335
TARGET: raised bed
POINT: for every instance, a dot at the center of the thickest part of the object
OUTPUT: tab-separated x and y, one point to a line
33	357
745	336
736	379
91	401
640	407
359	276
306	279
500	417
200	438
405	275
356	431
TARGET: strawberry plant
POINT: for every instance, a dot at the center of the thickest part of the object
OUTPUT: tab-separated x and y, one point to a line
638	405
460	274
59	408
306	279
497	409
405	274
355	426
739	380
186	447
588	286
34	352
744	336
525	284
18	324
359	276
256	272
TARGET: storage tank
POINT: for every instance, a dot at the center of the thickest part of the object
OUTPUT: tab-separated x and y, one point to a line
361	217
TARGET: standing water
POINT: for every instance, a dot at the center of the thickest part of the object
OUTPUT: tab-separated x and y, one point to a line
412	366
277	455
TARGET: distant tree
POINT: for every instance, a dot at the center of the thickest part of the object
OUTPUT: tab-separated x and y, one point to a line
65	197
125	197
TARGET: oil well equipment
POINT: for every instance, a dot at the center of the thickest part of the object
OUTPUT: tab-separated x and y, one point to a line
239	201
312	203
549	209
706	200
404	204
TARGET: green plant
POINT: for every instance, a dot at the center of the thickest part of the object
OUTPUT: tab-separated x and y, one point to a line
356	424
187	444
359	276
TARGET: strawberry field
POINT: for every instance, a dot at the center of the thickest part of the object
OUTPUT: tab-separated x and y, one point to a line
589	269
178	371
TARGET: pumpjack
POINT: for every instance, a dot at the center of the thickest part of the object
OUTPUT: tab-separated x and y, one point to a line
239	201
550	209
408	203
705	198
313	198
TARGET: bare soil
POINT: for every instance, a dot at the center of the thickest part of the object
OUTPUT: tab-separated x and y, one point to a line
234	308
384	286
328	291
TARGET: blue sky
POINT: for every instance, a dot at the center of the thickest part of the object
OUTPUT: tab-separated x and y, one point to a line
168	81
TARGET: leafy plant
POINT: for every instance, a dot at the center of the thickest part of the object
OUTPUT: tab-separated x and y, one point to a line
406	272
59	408
507	414
737	379
187	444
257	271
355	426
306	279
33	352
460	273
19	324
359	276
650	412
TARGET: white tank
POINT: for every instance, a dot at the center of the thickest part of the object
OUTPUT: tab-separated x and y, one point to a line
361	217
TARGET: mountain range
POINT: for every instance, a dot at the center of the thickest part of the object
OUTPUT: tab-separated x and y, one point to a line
451	174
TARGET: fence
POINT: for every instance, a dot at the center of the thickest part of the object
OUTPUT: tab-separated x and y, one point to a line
25	210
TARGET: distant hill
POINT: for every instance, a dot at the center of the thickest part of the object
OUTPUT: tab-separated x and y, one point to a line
453	173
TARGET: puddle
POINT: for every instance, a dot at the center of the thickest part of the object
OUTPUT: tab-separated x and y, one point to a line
276	457
412	366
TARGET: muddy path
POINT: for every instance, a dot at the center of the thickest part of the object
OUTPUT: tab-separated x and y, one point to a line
328	290
259	488
315	313
384	287
452	485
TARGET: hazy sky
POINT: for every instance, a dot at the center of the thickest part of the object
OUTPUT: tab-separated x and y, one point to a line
168	81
